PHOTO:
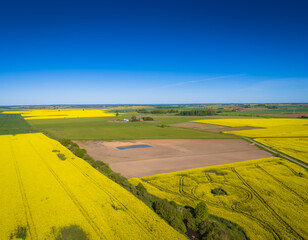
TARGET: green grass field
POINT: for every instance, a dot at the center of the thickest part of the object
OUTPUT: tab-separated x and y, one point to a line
101	129
14	124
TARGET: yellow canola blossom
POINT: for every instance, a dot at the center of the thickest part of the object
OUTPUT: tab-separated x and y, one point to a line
270	127
294	147
267	197
43	193
62	113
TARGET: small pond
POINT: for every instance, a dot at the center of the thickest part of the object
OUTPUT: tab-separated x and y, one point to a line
134	146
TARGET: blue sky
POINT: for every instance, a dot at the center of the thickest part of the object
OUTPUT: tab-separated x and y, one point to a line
62	52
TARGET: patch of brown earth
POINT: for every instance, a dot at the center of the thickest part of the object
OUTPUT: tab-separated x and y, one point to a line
169	155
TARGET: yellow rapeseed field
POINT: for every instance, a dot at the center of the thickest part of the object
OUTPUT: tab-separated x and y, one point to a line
42	193
285	135
62	113
294	147
271	127
267	197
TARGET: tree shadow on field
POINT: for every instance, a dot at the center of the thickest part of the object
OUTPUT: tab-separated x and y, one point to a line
72	232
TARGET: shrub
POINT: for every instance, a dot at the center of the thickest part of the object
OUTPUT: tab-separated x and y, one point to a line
20	233
147	119
141	189
80	152
178	224
61	156
201	211
170	213
133	119
218	191
118	178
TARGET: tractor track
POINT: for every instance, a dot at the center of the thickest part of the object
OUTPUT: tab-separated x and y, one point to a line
268	207
258	221
128	211
97	184
70	195
292	170
30	223
281	183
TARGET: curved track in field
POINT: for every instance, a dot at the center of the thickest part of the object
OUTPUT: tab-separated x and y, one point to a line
195	197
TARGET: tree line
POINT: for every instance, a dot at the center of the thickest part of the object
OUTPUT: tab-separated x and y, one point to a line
208	112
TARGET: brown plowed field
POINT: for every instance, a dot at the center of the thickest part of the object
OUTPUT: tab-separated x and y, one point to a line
169	155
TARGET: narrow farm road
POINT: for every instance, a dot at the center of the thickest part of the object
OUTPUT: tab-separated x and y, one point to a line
275	152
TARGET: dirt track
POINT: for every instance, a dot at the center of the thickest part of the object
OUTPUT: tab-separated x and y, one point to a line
168	155
209	127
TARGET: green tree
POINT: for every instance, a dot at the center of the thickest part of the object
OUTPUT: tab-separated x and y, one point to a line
141	189
201	211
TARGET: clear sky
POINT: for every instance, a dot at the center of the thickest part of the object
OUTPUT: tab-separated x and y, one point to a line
153	51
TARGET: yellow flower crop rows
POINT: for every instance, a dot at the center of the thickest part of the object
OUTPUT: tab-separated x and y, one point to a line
294	147
271	127
41	192
62	113
266	197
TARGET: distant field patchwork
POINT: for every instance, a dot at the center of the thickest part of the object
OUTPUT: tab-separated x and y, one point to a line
285	135
267	197
272	127
62	113
103	129
44	188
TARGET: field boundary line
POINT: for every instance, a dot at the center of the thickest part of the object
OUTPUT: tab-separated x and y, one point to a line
294	160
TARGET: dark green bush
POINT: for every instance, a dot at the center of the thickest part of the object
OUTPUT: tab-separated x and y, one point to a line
170	213
118	178
147	119
20	233
61	156
141	189
218	191
201	211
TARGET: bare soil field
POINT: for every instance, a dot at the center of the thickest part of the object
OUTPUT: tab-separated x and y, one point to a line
169	155
209	127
